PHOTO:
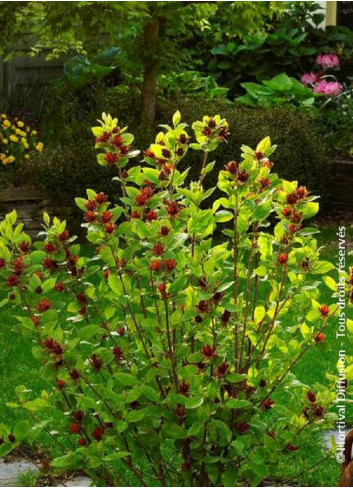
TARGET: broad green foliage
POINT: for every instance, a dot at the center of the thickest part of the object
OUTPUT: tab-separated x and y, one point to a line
170	351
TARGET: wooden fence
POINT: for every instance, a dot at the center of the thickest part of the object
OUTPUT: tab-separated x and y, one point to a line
26	74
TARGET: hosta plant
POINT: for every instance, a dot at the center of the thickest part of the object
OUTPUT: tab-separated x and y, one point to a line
169	353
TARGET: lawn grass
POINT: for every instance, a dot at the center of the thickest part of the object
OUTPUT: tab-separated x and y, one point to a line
18	367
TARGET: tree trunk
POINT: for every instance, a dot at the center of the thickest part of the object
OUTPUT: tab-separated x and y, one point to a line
149	85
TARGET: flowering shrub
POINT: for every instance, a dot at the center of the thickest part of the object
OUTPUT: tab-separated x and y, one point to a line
170	352
17	140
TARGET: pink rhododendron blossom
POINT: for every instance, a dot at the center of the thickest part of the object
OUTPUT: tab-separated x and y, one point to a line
309	78
328	60
331	89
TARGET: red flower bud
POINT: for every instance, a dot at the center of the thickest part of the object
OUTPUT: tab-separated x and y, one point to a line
164	230
75	428
64	236
324	310
110	227
44	305
107	216
156	265
59	287
292	198
319	337
25	246
49	247
101	198
282	258
91	205
89	216
61	383
259	155
310	395
208	351
2	263
98	433
111	158
151	216
82	442
170	264
12	281
158	249
232	167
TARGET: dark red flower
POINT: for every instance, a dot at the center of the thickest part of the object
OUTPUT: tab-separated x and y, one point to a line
64	236
173	208
206	131
282	258
44	305
98	433
158	249
198	319
35	320
259	155
110	227
59	287
149	154
49	247
243	176
292	448
272	434
166	153
319	337
2	263
151	216
74	374
170	264
184	387
18	265
91	205
156	265
162	176
164	230
82	442
106	273
203	306
107	216
232	167
180	411
226	316
222	370
292	198
286	211
121	331
183	139
75	428
292	228
208	351
242	427
12	281
11	438
180	152
311	396
52	346
81	298
89	216
25	246
49	264
161	288
302	192
268	403
141	200
61	383
101	198
264	182
318	411
297	216
324	310
135	215
111	158
118	353
97	363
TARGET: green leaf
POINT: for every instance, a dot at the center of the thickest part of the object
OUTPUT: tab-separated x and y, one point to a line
237	404
125	379
116	456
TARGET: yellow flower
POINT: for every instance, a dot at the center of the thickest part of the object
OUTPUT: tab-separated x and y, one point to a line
20	124
6	123
39	147
28	128
2	156
34	133
4	141
27	157
14	138
9	159
4	116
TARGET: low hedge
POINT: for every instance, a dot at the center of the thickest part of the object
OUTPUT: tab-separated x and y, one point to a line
68	165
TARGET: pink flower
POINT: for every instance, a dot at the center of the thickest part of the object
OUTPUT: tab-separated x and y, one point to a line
328	60
331	89
309	78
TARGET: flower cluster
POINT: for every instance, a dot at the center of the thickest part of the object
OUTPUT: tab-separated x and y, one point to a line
318	80
17	140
